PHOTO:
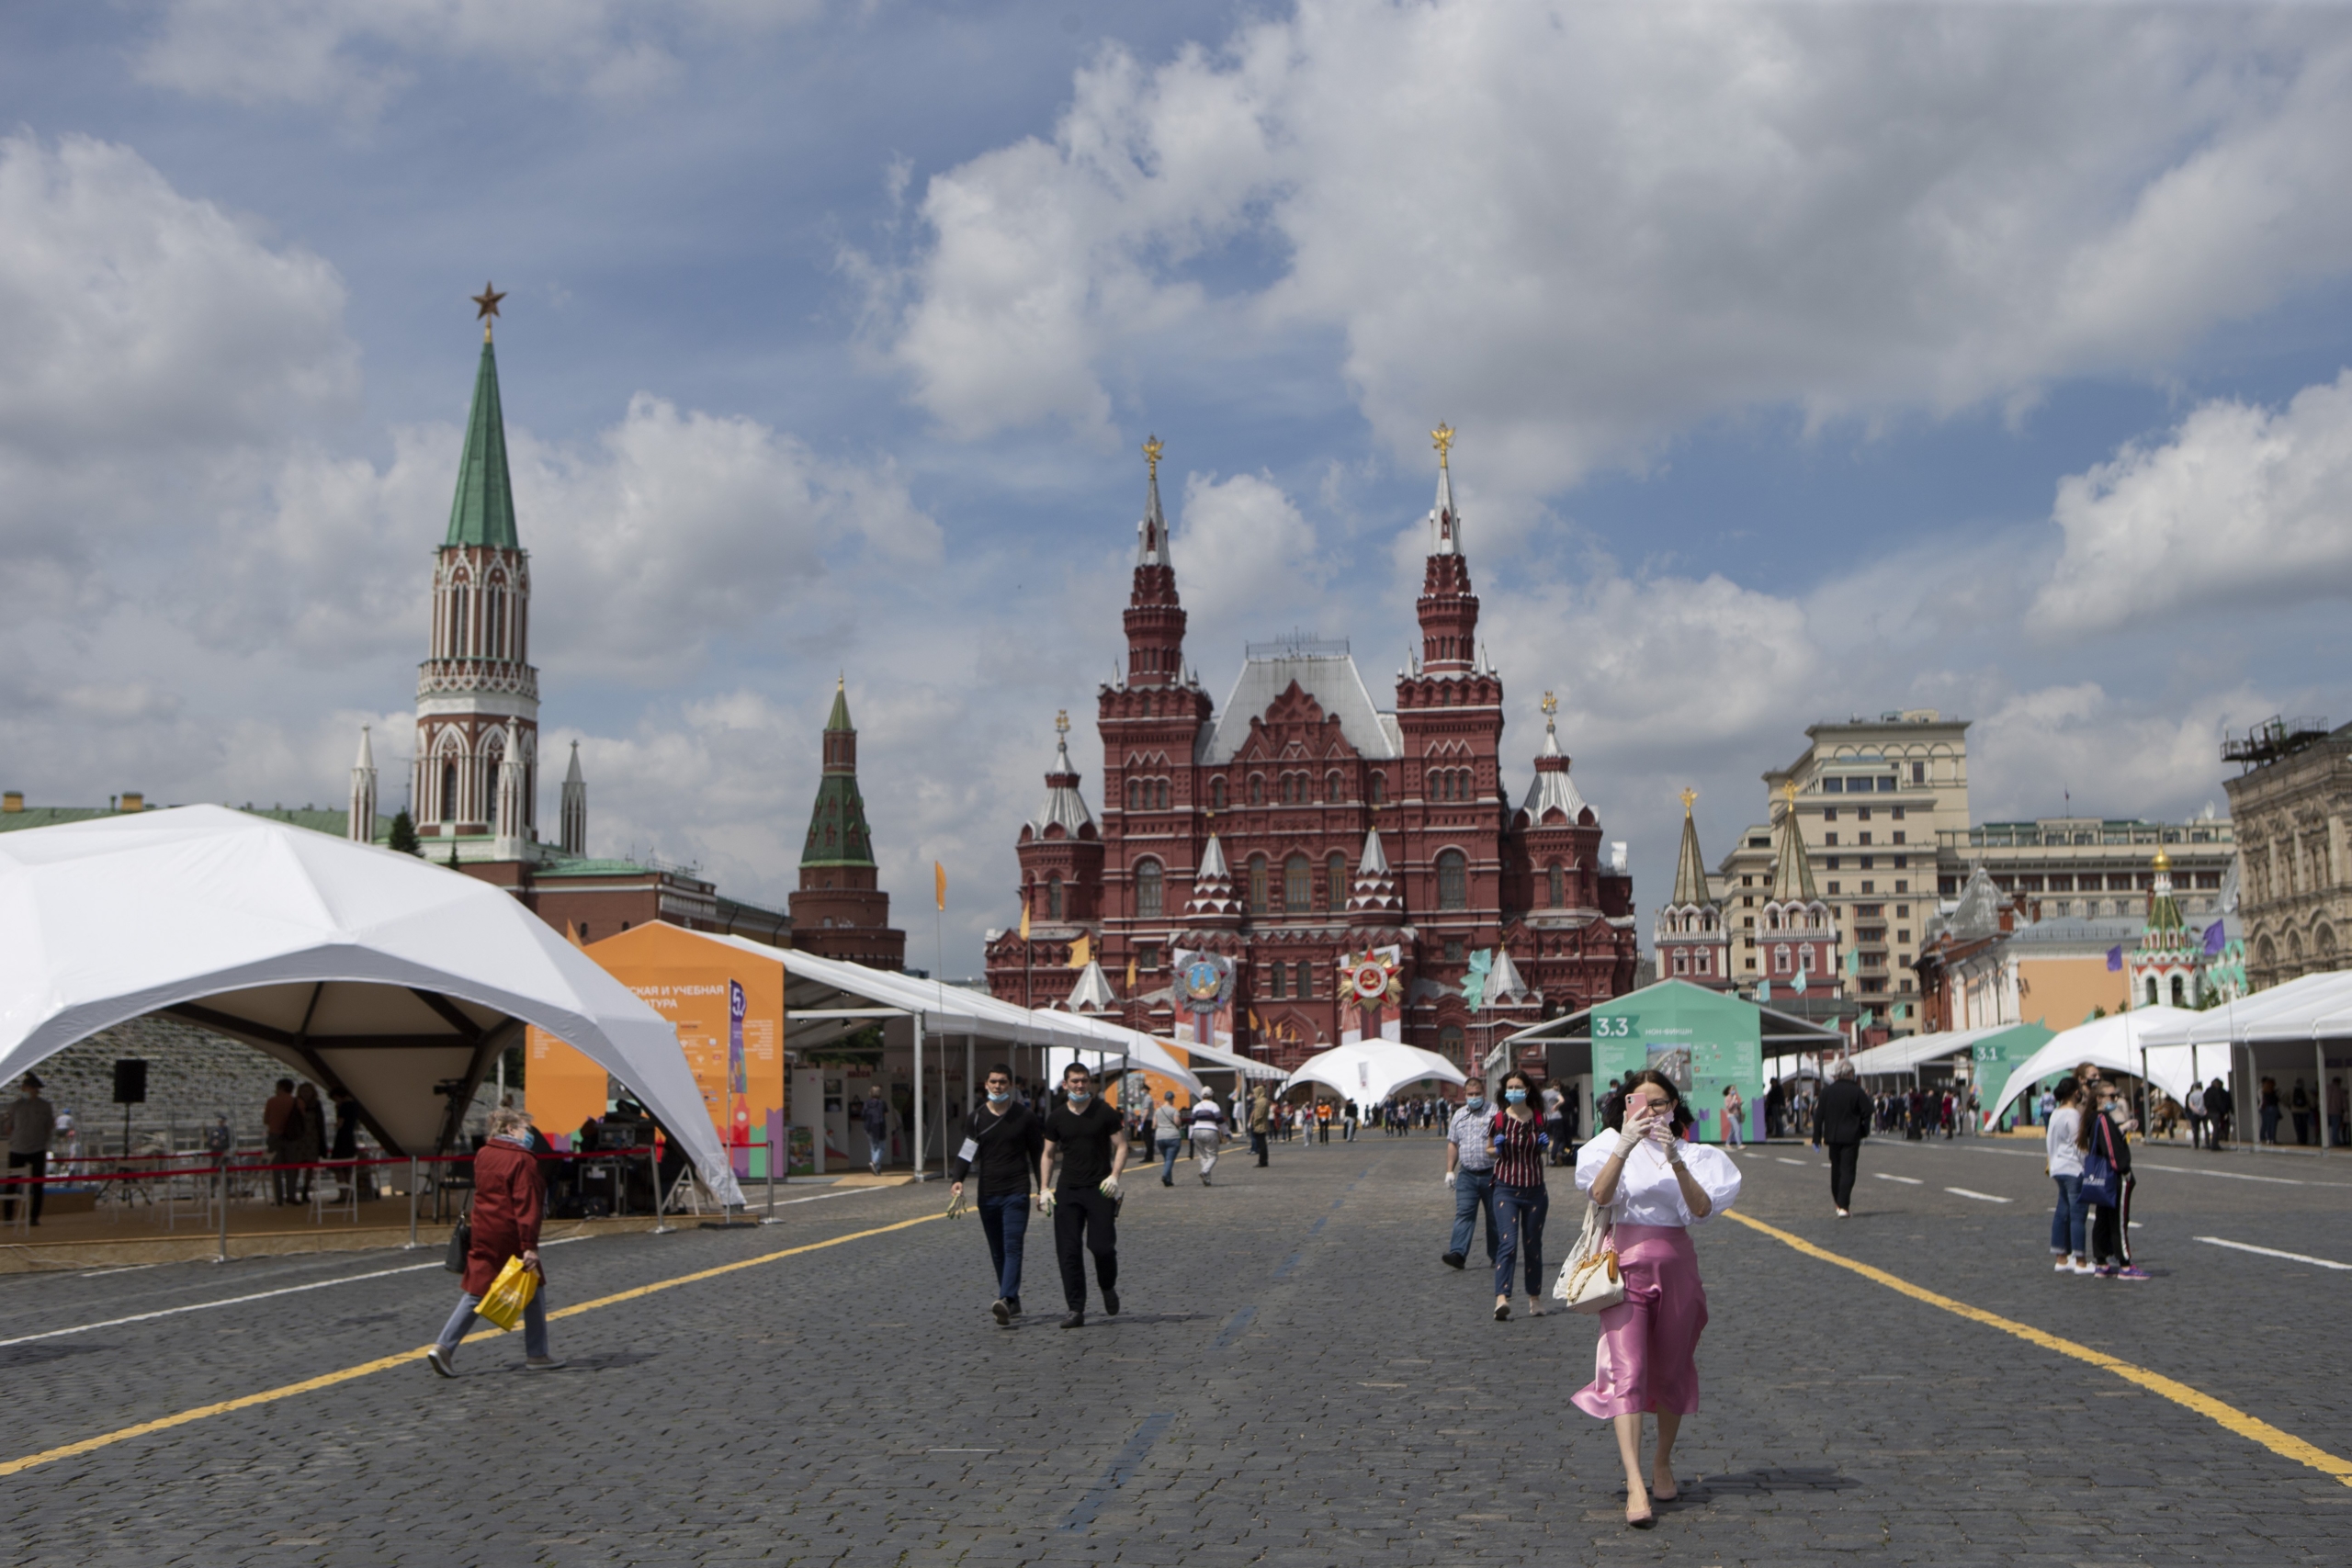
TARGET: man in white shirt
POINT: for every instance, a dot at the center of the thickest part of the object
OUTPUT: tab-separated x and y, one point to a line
1208	1131
1168	1132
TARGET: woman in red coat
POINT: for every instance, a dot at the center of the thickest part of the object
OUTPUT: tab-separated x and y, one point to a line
509	1203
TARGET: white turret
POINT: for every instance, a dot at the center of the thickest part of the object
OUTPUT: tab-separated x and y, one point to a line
573	821
507	823
359	825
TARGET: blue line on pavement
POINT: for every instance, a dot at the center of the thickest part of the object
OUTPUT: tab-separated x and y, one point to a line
1282	1272
1122	1464
1233	1327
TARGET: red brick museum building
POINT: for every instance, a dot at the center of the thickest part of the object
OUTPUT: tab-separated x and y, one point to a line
1301	824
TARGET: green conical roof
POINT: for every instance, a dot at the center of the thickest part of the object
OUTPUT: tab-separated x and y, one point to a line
840	719
1792	872
1689	868
483	512
837	830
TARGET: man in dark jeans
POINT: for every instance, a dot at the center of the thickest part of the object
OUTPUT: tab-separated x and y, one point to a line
1084	1199
1005	1142
31	1123
1842	1120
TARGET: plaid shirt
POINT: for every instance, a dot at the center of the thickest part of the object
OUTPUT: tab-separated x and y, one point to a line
1467	1133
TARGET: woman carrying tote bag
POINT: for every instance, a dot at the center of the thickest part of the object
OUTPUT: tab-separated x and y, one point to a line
1659	1187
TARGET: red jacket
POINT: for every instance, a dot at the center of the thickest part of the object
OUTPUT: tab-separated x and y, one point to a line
509	1203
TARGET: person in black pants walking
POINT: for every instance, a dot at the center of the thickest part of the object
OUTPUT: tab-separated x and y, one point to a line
1005	1139
1083	1201
1841	1119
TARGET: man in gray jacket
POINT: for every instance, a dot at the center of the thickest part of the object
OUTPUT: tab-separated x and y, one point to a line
30	1123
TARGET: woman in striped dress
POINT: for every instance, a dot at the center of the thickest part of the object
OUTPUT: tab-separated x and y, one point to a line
1518	1138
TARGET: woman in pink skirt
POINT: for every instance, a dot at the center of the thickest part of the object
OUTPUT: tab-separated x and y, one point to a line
1655	1186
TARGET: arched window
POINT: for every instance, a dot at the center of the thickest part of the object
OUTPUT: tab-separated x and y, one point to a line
1335	881
450	790
1132	785
1559	889
1258	891
1150	889
1277	976
1332	787
1298	884
1779	961
1449	1043
1379	789
459	644
1163	795
1257	789
1306	980
1053	897
494	617
1216	794
2152	990
1452	880
2179	992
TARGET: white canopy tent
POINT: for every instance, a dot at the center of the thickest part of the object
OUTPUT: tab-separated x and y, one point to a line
2115	1043
369	972
1916	1050
1372	1070
2305	1023
1220	1059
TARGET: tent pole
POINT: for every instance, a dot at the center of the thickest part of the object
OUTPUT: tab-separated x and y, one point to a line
411	1203
2319	1092
225	1157
919	1149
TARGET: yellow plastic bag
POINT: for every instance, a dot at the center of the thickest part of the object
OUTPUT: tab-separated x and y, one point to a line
508	1295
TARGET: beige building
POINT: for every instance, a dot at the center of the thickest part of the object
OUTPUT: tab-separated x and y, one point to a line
2291	806
1873	800
2091	868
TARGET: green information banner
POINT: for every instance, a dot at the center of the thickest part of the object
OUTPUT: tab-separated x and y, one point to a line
1700	1040
1996	1056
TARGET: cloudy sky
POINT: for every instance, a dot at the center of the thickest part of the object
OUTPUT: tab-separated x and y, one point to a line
1808	361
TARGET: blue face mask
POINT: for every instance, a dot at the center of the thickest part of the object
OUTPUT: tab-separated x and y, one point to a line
1079	1096
999	1096
1475	1100
1515	1096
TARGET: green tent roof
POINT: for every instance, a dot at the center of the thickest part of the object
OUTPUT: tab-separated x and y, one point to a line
483	512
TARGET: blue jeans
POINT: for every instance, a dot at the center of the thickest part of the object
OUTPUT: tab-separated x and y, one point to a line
1005	1222
1521	1211
535	1323
2070	1222
1474	1194
1167	1148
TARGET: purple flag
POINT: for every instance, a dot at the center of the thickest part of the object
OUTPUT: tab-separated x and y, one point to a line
2214	939
2115	957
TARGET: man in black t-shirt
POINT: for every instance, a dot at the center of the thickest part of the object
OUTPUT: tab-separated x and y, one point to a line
1084	1199
1005	1139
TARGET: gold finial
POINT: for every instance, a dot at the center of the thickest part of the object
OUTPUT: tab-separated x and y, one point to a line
1151	451
1688	795
841	681
1061	721
1442	437
1550	708
1789	792
486	307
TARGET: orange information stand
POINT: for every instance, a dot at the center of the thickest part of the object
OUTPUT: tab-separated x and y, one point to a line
728	1005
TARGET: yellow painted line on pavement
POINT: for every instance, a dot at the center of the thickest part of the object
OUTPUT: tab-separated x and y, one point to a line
385	1364
2251	1427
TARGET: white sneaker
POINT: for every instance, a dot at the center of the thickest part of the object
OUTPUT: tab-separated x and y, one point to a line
2065	1265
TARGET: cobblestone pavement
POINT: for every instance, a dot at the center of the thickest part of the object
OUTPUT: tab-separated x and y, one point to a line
1295	1380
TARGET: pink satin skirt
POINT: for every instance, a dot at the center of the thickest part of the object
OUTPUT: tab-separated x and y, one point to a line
1647	1355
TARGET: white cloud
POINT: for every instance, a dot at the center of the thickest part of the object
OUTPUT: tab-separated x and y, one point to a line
1576	230
1258	566
2030	751
2239	504
356	55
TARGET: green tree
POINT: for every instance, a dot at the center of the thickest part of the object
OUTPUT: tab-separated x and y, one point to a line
404	835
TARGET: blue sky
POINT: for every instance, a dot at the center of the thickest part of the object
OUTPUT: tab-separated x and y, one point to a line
1808	360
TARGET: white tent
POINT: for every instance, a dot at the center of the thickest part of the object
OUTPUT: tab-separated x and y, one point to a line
367	971
1218	1058
1372	1070
2317	1007
1915	1050
2113	1044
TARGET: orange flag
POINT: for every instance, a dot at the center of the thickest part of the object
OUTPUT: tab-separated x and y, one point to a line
1082	952
1024	921
939	885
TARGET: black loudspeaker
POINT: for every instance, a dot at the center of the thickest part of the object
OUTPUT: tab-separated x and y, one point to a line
131	1081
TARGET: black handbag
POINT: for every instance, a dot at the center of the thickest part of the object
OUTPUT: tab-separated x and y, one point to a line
461	1241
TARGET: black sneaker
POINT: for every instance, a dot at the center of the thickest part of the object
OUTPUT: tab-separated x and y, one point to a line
1003	1310
1452	1261
1109	1301
1014	1304
1075	1320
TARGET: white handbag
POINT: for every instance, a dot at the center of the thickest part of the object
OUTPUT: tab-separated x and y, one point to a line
1589	1280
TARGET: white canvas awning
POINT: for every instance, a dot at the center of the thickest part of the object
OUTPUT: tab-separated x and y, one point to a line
1901	1055
365	970
1372	1070
2113	1044
2317	1007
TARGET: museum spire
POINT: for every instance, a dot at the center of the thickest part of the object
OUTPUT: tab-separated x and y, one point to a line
1155	617
1448	610
483	512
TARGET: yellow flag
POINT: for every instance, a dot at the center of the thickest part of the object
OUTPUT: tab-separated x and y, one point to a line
1131	974
1025	919
1082	952
939	885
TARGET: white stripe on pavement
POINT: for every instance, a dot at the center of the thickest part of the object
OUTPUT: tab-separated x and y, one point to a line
1786	1160
1906	1180
2274	1252
1980	1197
